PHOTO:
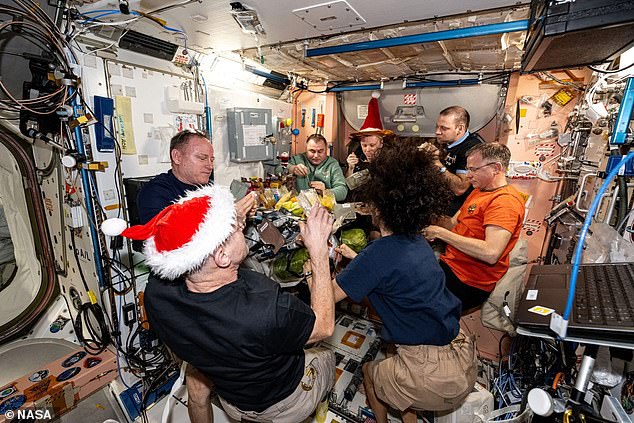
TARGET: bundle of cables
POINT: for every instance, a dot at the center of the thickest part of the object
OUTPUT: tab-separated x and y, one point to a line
28	21
532	362
90	316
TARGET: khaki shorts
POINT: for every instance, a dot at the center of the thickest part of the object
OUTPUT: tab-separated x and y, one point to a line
427	377
318	380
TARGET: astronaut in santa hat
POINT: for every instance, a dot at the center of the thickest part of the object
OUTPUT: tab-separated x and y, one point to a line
371	137
244	335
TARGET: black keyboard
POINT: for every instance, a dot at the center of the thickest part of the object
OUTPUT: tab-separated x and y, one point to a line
605	295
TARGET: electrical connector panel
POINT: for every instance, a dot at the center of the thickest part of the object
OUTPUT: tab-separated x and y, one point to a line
73	216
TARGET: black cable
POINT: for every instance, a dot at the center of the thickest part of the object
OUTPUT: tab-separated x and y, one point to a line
340	84
506	335
117	170
99	337
158	355
457	73
153	381
417	78
483	79
122	280
568	84
116	334
610	71
35	25
51	166
623	201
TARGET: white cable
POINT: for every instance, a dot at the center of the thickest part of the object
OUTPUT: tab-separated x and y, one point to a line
98	24
90	52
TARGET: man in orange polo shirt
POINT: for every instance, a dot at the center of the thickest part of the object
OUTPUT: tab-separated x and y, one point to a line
484	231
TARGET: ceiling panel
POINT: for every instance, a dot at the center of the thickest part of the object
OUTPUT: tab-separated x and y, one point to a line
483	53
211	28
278	20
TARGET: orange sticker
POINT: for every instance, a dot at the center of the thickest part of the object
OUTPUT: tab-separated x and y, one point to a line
353	339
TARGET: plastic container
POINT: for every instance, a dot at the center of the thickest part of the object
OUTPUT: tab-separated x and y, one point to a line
476	408
525	417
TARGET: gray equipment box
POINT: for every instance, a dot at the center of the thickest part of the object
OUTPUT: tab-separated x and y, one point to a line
249	131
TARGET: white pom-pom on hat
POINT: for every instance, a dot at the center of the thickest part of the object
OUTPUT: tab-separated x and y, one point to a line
113	226
180	237
376	94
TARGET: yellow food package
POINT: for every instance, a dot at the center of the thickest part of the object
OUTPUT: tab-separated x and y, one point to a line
328	200
289	205
283	199
293	207
269	198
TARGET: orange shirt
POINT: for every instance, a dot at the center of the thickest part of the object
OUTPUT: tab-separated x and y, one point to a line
503	207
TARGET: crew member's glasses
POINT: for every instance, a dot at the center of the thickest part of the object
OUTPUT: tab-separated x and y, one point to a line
475	169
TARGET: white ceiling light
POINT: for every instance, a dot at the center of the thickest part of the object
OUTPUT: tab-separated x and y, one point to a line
330	16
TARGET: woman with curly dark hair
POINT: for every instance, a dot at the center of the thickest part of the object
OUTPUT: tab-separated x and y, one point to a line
434	365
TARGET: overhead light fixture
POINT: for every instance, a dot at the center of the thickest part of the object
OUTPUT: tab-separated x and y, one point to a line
247	19
270	79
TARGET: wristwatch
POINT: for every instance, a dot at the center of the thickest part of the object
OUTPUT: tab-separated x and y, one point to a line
443	169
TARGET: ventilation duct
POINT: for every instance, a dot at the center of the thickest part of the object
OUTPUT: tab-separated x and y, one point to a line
144	44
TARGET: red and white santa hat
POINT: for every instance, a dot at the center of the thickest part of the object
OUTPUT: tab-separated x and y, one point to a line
372	124
184	234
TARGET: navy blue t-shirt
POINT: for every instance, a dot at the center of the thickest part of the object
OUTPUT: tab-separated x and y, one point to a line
456	163
406	286
159	193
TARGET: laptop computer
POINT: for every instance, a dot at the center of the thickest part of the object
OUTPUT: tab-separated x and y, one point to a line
603	307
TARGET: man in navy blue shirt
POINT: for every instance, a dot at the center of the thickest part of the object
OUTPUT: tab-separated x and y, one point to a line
192	157
452	133
434	366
